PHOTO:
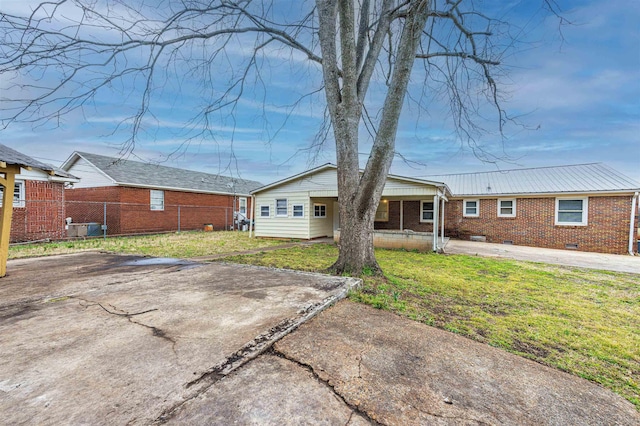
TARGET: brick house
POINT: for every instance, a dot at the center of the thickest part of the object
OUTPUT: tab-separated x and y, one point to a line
138	197
38	198
585	207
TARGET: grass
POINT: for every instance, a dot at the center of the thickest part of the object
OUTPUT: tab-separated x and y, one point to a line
584	322
182	245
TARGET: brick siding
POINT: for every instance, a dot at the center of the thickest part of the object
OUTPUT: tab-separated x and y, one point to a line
410	217
607	230
42	216
128	209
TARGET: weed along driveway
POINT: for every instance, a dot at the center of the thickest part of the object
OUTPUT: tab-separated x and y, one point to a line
95	338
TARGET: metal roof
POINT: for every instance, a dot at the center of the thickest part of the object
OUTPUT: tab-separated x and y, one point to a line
579	178
135	173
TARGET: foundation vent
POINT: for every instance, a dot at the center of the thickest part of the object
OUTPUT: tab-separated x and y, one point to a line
573	246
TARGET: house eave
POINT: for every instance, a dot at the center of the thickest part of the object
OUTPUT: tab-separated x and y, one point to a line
546	194
178	189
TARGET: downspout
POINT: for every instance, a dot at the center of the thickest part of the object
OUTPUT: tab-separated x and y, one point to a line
251	215
436	215
632	222
442	223
401	215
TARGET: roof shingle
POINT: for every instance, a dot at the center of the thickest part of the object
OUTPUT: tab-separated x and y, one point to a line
129	172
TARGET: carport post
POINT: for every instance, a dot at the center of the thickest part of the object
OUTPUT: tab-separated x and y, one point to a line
8	183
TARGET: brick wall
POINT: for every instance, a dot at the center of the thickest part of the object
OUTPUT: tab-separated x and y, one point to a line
43	213
128	209
410	217
607	230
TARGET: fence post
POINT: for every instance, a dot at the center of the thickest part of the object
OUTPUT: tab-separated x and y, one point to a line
178	219
104	223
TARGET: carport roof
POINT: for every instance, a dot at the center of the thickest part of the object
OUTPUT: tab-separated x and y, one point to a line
10	156
135	173
579	178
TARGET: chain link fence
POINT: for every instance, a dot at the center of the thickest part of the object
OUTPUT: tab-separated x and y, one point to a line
35	220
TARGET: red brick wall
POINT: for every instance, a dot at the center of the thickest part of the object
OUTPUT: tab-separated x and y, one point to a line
410	217
607	230
132	212
43	213
85	205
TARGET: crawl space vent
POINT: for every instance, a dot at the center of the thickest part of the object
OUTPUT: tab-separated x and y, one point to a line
571	246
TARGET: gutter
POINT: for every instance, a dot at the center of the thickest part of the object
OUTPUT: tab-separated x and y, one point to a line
632	222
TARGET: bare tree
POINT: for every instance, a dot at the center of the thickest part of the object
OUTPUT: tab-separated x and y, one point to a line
58	58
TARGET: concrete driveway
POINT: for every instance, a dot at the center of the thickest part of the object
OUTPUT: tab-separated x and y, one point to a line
580	259
104	339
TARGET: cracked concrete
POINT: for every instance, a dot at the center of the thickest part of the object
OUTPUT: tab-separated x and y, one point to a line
103	339
86	340
401	372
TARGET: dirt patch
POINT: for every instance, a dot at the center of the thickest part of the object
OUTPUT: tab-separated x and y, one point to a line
529	348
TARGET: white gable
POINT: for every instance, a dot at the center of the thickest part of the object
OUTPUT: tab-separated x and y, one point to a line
89	175
324	183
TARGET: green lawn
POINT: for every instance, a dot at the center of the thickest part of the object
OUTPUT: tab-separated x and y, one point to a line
182	245
581	321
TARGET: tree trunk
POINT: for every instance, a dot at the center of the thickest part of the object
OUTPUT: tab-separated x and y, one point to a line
356	255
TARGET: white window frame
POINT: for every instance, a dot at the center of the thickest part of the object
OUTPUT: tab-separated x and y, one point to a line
242	205
315	212
299	207
286	206
464	207
513	207
585	211
268	207
422	210
155	206
382	215
18	189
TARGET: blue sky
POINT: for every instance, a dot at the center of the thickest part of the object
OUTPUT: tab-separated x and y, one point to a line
577	90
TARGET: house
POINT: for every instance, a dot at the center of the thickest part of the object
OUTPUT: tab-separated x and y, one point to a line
305	206
37	197
136	197
588	207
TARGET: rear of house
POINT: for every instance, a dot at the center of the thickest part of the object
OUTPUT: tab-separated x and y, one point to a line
305	206
587	207
132	197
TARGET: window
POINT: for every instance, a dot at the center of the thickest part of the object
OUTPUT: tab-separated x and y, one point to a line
319	210
471	208
426	207
281	207
265	211
242	205
382	213
571	211
506	207
298	210
18	194
157	199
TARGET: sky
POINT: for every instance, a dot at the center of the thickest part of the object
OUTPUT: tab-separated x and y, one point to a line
575	90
